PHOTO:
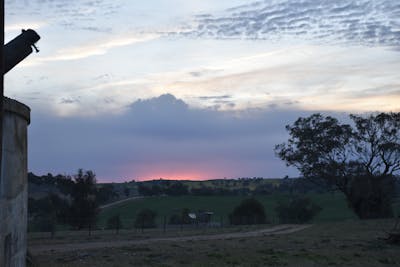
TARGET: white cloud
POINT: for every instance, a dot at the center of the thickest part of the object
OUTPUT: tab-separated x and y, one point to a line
35	25
366	22
254	73
100	47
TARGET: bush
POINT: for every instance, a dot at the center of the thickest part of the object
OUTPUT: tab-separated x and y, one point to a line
182	218
114	222
249	211
45	223
297	210
146	218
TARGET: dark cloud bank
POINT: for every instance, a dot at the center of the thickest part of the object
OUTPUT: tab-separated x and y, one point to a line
162	133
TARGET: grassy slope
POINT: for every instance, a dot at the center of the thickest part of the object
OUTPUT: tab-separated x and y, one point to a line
334	207
352	243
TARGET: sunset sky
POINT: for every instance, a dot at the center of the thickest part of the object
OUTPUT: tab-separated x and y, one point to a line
184	89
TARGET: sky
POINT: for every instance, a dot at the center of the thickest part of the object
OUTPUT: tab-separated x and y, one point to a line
190	89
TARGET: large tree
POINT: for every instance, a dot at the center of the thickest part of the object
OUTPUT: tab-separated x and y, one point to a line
84	207
361	159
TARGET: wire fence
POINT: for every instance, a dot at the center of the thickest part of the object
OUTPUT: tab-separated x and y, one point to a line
133	225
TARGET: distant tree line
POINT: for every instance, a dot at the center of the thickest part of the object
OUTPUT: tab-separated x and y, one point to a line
232	187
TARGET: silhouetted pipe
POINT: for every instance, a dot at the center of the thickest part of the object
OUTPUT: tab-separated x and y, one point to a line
19	48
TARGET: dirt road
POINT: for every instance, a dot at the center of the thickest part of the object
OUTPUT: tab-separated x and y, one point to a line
119	202
276	230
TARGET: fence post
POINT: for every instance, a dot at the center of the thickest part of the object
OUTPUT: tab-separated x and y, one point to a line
165	223
90	228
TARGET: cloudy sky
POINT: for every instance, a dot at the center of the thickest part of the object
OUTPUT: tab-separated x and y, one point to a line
194	89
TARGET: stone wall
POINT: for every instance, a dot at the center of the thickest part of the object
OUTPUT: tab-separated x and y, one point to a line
13	185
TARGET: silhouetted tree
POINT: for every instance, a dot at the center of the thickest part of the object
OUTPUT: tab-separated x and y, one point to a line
114	222
360	160
249	211
177	189
127	191
84	207
149	190
180	218
105	193
297	210
46	212
146	218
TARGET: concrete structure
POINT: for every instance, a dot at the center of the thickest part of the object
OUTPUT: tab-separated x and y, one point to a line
14	185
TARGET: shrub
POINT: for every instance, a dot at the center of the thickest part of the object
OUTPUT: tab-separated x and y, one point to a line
45	223
146	218
249	211
114	222
297	210
182	218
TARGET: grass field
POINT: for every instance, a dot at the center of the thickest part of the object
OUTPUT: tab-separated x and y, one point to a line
350	243
334	207
337	238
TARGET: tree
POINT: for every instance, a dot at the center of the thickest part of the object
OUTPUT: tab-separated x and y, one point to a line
177	189
105	193
148	190
249	211
297	210
360	160
180	218
146	218
114	222
84	207
46	212
127	191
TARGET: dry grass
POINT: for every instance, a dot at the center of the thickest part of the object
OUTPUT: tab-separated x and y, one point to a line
353	243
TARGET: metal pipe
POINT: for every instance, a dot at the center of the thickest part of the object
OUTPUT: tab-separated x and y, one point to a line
19	48
10	55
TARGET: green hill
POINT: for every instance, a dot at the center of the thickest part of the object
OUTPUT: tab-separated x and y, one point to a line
334	207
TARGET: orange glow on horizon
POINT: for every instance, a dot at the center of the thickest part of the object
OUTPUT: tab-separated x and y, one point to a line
195	176
192	176
175	171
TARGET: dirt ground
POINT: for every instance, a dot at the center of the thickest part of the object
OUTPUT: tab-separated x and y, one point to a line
355	243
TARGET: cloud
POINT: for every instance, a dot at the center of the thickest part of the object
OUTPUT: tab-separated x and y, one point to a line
98	48
74	15
162	137
364	22
69	100
25	25
204	72
219	97
92	49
